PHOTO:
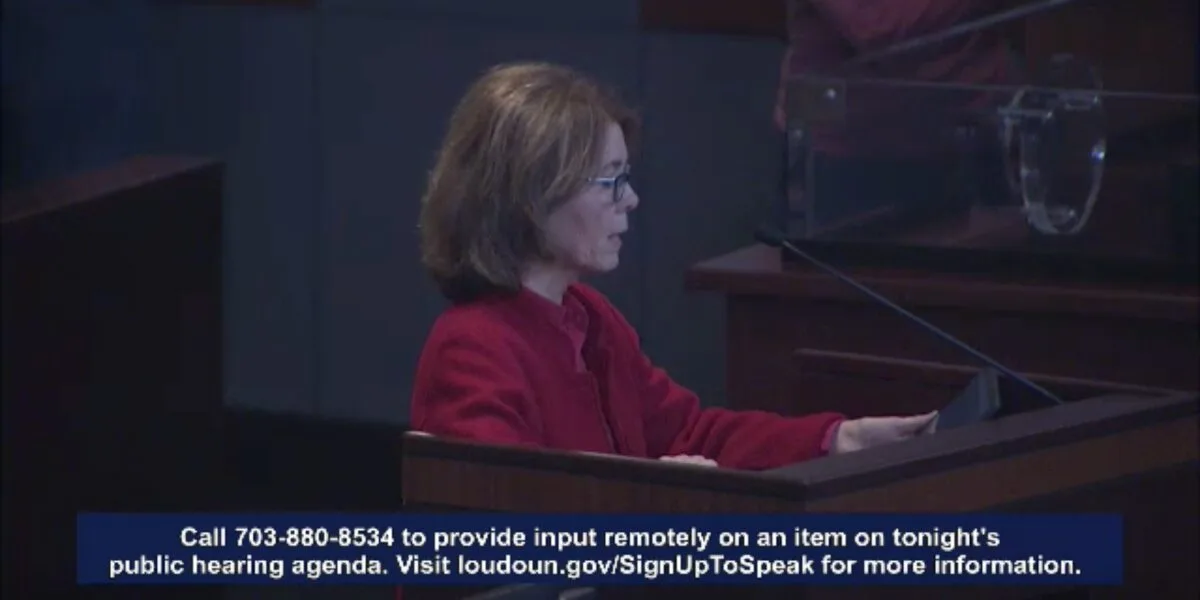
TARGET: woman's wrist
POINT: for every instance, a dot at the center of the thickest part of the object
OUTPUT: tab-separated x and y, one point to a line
829	443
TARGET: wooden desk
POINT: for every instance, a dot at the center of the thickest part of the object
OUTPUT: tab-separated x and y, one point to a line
1140	337
111	334
1130	455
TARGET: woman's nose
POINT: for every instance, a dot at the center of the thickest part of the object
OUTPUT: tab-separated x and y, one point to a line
631	199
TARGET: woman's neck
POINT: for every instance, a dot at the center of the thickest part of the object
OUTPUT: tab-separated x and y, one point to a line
548	281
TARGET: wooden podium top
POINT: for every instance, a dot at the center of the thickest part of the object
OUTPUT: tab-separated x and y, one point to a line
1023	456
758	271
1131	455
98	184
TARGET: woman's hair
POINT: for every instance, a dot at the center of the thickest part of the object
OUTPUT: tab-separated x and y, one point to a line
524	139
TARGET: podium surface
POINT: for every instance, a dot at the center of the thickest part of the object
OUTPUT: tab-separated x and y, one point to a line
1136	456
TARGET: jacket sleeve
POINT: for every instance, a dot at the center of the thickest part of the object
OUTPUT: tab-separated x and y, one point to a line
470	390
753	440
874	24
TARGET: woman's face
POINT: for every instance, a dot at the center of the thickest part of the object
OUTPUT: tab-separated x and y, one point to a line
585	232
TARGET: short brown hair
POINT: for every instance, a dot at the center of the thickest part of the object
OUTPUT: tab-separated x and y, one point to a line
523	139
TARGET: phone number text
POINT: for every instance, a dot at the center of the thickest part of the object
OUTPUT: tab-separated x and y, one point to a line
290	537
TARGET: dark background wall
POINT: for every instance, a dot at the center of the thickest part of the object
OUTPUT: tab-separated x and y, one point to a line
328	118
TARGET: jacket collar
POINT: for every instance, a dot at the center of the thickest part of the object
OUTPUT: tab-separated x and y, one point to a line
537	307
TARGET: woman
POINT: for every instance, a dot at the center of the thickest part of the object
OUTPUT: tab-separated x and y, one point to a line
529	195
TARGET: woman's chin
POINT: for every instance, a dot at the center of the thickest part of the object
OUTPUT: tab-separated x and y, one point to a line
604	265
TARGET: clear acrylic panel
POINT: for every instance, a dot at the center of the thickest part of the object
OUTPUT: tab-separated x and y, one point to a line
1053	164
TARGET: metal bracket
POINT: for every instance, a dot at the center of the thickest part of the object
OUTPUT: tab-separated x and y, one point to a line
812	101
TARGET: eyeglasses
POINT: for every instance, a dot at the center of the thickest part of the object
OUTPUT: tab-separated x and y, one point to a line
617	182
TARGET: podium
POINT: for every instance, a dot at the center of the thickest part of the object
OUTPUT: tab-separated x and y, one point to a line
112	356
1138	336
1134	455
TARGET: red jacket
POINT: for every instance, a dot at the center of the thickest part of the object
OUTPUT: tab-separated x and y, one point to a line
505	371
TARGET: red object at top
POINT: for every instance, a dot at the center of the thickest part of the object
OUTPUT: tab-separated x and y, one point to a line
825	34
522	370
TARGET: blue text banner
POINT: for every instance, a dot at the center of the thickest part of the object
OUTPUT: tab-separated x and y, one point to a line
473	549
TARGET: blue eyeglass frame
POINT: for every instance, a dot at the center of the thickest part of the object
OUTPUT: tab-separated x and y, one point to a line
617	182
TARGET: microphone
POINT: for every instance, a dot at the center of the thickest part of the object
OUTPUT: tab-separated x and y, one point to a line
775	239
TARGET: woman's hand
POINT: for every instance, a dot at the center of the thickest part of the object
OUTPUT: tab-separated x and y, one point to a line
868	432
691	460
